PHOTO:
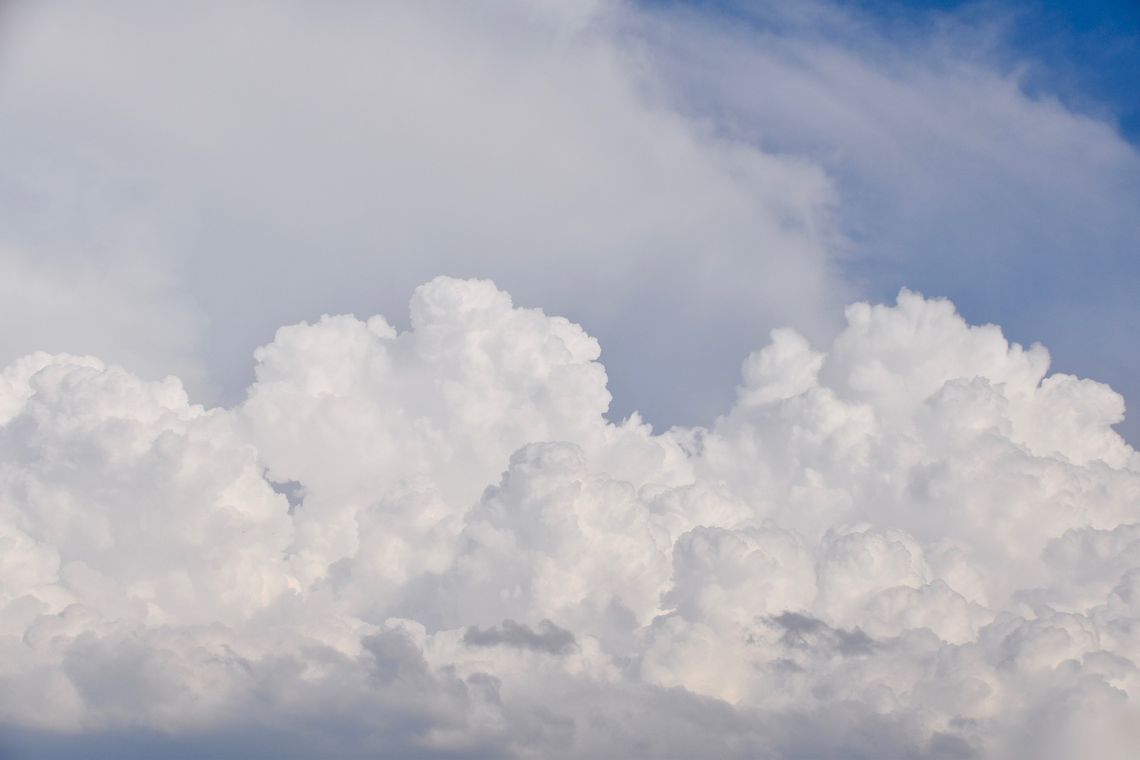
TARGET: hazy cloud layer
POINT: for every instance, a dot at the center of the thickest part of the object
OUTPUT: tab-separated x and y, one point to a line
270	162
912	542
679	183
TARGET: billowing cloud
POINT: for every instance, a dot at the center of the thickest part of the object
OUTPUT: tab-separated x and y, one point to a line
911	542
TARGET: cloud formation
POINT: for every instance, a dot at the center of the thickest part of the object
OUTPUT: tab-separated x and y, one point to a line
912	542
548	638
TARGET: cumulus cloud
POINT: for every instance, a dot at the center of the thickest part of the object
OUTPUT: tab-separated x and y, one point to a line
911	542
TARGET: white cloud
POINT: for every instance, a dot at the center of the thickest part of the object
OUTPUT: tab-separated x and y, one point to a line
881	548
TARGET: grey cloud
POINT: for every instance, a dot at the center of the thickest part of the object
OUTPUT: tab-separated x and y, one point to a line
804	631
545	637
292	490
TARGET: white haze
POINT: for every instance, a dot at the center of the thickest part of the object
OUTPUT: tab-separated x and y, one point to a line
912	542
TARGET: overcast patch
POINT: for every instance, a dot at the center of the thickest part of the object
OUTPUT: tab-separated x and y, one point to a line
547	637
805	631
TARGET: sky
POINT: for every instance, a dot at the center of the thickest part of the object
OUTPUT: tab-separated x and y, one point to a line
596	378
